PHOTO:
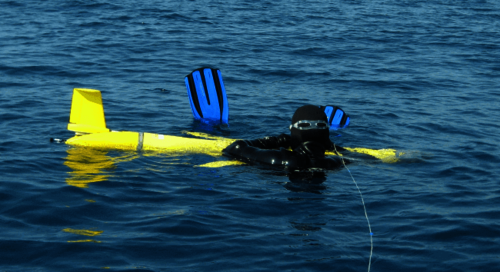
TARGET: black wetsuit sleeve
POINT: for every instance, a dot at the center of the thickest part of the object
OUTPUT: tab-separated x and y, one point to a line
306	155
247	151
281	141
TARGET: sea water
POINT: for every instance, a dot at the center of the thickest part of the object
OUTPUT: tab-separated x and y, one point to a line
420	77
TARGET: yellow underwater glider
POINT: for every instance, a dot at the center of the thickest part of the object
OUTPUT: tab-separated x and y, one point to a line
88	122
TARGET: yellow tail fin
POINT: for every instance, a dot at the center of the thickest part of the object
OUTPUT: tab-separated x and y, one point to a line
87	112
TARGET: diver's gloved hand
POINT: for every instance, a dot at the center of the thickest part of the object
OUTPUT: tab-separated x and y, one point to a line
333	147
235	147
311	150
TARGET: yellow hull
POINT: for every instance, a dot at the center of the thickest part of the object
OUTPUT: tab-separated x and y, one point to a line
127	140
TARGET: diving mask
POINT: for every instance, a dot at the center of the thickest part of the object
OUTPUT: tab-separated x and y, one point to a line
309	124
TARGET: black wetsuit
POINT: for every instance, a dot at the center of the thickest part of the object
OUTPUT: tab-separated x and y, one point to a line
275	151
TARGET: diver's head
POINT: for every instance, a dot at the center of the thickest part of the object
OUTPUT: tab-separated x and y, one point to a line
309	123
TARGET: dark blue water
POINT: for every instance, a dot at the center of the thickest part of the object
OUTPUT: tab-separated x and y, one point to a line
422	77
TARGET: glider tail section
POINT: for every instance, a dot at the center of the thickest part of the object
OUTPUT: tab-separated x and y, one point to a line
87	112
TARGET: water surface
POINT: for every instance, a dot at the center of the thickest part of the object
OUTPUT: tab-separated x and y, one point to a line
421	77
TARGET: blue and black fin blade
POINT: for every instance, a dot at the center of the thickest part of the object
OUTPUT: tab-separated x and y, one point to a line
207	95
336	117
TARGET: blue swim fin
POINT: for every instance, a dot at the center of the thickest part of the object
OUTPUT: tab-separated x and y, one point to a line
207	96
336	117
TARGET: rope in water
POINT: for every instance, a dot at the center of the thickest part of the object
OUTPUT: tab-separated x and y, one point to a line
364	207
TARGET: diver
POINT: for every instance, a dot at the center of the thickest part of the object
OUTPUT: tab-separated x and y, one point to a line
308	141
